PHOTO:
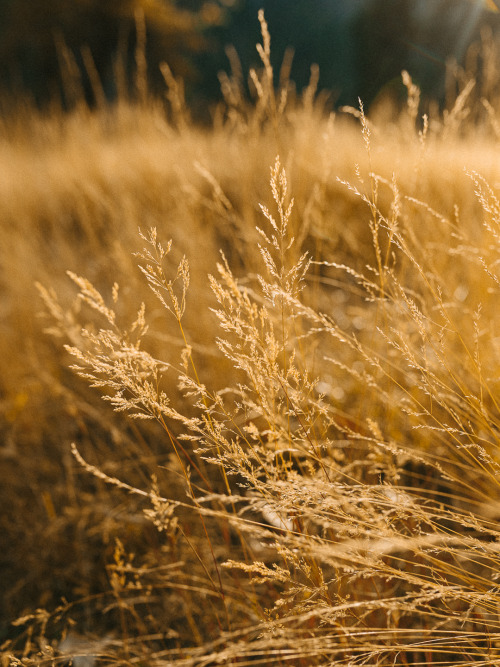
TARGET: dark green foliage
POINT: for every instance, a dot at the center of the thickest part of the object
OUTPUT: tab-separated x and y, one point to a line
422	38
48	48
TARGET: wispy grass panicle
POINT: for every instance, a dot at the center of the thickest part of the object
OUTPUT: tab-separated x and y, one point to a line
283	266
160	285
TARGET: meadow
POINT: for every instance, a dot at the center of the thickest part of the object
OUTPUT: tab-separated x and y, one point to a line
249	380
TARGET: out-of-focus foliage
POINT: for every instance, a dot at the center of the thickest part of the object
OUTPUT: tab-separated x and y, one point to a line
361	46
424	37
42	44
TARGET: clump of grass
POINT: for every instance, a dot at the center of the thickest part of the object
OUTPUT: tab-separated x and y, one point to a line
308	473
366	538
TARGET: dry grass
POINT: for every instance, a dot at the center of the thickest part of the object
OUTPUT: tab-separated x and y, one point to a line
297	458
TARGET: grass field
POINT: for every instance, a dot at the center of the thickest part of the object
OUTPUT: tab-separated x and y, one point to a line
274	440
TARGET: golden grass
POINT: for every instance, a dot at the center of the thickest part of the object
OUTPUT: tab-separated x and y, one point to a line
296	461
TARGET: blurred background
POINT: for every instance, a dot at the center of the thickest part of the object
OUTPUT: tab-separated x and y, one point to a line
361	46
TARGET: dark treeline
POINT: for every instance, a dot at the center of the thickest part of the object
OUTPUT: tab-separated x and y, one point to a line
50	50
